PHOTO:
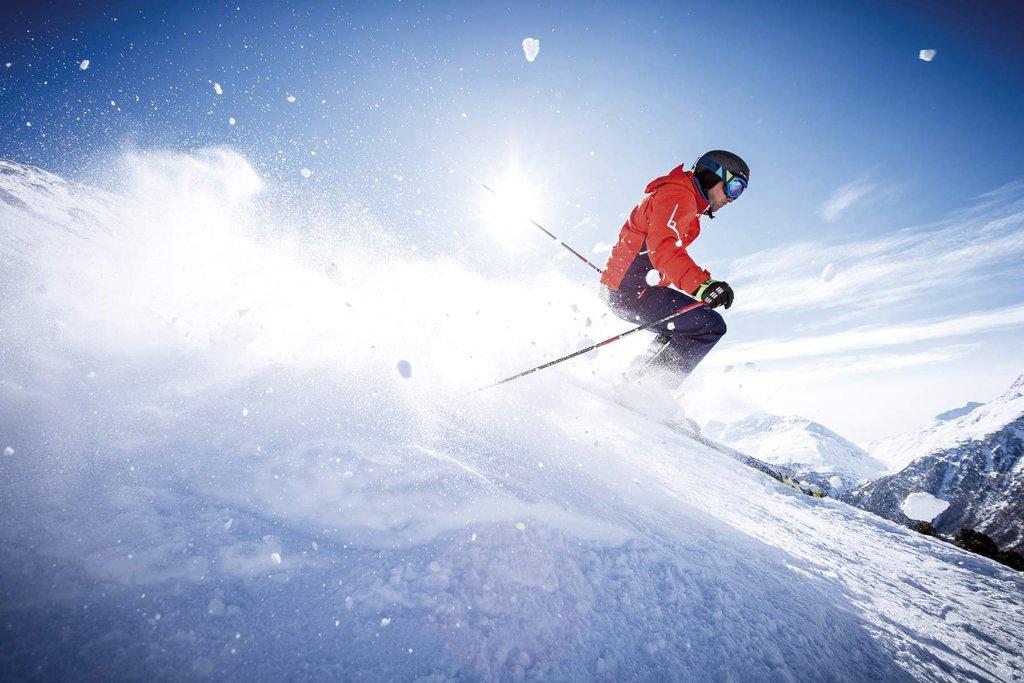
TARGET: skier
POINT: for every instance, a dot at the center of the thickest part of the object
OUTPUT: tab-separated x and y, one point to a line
650	259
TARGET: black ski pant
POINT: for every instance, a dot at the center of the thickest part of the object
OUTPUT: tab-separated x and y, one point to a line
689	336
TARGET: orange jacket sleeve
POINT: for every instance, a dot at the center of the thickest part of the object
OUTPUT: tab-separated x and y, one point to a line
673	224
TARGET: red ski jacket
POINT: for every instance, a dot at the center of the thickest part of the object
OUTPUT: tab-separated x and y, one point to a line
668	220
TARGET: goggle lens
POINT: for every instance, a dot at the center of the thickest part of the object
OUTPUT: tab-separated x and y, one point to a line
734	187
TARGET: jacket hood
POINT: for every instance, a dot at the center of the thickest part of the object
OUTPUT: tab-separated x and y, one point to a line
684	179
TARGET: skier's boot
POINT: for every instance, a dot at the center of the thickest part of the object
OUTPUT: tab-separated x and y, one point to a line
642	365
651	380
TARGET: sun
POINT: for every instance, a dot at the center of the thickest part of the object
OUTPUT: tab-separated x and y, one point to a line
509	205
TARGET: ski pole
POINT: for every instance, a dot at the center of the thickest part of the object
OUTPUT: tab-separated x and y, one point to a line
685	309
540	227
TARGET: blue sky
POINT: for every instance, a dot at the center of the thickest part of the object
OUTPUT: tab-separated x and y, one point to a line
863	155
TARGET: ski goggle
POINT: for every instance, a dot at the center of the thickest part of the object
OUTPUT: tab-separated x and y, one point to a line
734	184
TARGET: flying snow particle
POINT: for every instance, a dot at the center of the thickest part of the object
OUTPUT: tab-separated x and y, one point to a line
601	248
405	369
231	120
228	524
385	621
923	506
520	526
531	47
671	326
275	558
217	89
306	173
8	451
9	64
245	412
927	55
828	273
653	278
290	98
84	65
28	124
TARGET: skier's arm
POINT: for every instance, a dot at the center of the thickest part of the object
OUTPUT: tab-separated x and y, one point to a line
671	217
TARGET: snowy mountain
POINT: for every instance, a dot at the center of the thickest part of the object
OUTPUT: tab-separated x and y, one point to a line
220	461
974	460
811	451
970	422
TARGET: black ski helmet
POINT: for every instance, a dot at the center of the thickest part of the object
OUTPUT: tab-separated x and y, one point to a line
705	172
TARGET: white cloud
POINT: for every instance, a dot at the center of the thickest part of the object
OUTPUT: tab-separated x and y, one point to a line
927	55
904	268
921	317
845	197
872	337
831	367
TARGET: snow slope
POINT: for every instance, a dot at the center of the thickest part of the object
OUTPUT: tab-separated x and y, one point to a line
810	450
216	469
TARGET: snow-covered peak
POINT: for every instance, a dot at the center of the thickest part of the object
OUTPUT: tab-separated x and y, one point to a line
798	443
958	412
954	427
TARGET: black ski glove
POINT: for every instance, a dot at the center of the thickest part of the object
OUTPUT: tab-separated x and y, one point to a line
715	293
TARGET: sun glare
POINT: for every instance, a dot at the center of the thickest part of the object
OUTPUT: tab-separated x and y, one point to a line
507	209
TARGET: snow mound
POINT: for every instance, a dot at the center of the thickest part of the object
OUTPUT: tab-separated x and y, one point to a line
923	506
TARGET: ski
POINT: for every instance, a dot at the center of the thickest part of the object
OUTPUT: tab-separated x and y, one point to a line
777	474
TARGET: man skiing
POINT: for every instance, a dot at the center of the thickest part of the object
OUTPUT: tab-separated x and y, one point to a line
650	259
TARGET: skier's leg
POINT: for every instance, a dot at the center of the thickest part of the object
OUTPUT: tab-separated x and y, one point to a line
690	336
695	333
